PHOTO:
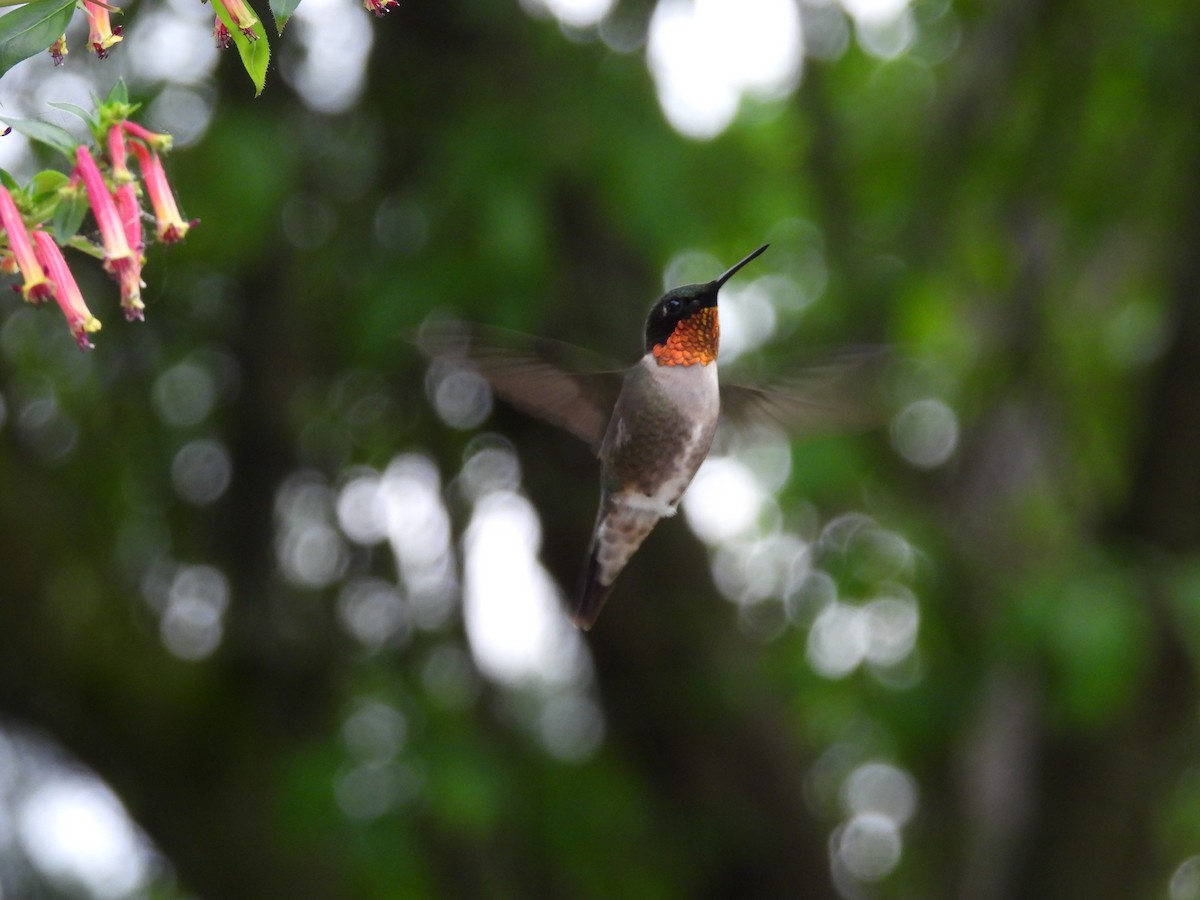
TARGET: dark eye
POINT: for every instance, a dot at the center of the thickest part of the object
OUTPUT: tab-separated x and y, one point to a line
673	306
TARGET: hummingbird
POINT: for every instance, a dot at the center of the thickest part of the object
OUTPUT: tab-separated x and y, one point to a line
661	430
651	426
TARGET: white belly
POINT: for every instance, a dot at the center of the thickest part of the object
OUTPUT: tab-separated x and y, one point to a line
694	389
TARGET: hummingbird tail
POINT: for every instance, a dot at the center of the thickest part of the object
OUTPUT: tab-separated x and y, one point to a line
594	594
621	526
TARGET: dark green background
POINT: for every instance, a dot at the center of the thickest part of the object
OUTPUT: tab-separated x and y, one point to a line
1020	220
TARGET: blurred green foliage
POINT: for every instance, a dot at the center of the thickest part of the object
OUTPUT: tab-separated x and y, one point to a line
1010	204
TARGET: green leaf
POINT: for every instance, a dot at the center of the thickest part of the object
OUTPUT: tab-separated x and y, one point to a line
283	10
78	111
45	184
82	244
118	94
9	182
43	132
68	215
31	29
255	53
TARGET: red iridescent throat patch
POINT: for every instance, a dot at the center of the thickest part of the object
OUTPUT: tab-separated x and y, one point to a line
694	341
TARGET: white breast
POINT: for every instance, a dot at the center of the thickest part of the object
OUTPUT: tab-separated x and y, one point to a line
696	390
692	388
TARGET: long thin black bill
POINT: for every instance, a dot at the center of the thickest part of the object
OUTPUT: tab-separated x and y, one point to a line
734	269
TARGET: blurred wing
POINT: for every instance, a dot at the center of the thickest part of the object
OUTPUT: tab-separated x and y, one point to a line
838	395
559	383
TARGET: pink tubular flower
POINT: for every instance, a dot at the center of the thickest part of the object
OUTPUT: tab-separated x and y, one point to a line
116	246
70	300
170	225
36	288
126	194
379	7
221	33
117	155
130	211
58	50
242	17
155	140
119	260
101	34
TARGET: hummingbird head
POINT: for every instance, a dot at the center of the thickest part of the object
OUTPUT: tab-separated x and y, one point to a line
682	328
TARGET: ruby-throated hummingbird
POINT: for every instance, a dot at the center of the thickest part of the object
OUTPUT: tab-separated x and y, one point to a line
651	427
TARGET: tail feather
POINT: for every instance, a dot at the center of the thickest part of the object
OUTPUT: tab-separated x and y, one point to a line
593	596
621	527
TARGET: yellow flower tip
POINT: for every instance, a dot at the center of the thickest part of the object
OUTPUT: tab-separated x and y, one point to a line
59	51
173	232
38	290
132	306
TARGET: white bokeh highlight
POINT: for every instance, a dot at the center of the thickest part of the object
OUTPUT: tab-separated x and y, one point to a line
76	831
724	500
867	847
333	41
512	607
706	54
925	433
572	13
